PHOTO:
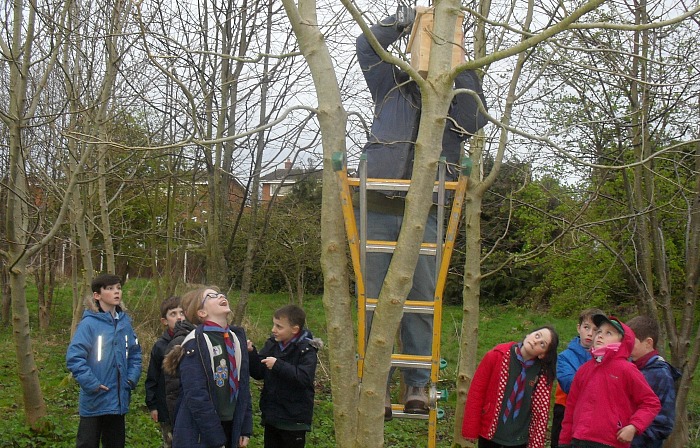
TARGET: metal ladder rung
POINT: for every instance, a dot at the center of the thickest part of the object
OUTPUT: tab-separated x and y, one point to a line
397	412
395	184
411	361
389	247
410	306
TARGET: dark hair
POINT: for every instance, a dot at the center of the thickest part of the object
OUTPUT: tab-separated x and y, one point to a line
588	314
294	314
549	360
168	304
104	280
645	327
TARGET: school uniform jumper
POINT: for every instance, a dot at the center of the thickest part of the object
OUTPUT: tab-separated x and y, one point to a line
606	396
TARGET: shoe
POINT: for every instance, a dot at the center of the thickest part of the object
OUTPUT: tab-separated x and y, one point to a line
416	401
387	406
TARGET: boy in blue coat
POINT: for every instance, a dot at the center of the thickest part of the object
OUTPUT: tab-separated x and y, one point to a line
568	362
287	365
104	356
660	375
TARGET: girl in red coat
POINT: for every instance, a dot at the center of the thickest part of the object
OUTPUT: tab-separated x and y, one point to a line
509	397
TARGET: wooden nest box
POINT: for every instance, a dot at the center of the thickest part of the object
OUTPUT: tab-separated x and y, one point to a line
421	39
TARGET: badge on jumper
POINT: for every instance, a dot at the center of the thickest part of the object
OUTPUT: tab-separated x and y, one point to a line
221	373
218	351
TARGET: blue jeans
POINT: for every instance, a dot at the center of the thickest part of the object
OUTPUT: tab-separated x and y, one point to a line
416	330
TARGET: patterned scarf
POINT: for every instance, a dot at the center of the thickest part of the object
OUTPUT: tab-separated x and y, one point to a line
516	397
230	350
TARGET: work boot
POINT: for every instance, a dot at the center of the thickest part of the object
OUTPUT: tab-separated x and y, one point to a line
387	406
416	401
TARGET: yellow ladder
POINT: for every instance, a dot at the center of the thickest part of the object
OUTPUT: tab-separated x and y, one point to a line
360	246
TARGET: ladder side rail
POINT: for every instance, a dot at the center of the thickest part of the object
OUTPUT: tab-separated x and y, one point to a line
361	300
354	248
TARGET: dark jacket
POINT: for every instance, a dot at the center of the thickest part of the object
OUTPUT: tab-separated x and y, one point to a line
155	378
288	389
661	377
397	103
171	366
197	422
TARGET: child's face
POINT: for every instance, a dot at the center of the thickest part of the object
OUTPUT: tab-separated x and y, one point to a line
109	296
173	316
214	305
586	331
536	344
606	334
641	348
282	330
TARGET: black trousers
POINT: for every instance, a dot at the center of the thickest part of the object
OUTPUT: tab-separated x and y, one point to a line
108	429
281	438
557	418
484	443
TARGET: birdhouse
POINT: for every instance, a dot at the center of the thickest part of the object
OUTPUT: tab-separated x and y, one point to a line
421	40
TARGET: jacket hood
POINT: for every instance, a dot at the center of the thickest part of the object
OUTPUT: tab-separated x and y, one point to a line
183	328
627	342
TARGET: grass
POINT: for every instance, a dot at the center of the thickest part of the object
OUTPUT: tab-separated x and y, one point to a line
60	391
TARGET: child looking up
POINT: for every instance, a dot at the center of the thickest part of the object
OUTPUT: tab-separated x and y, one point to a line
214	407
287	366
509	398
661	377
609	401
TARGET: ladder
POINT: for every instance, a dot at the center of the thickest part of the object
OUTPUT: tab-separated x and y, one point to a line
442	251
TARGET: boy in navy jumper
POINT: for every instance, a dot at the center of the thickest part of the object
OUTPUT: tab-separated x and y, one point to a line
661	377
104	356
170	314
287	365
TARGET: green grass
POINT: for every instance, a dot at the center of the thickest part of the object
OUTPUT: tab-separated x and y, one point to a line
497	324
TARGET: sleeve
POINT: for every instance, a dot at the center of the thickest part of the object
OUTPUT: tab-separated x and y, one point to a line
247	426
302	374
571	400
77	357
541	402
195	396
465	107
257	370
645	401
663	385
378	74
565	371
154	367
133	359
476	397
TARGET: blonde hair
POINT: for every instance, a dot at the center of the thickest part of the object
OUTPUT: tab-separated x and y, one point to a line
191	302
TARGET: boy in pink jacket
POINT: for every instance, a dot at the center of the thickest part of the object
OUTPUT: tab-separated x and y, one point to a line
609	401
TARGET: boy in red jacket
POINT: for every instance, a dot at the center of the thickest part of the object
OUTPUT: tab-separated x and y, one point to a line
609	401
